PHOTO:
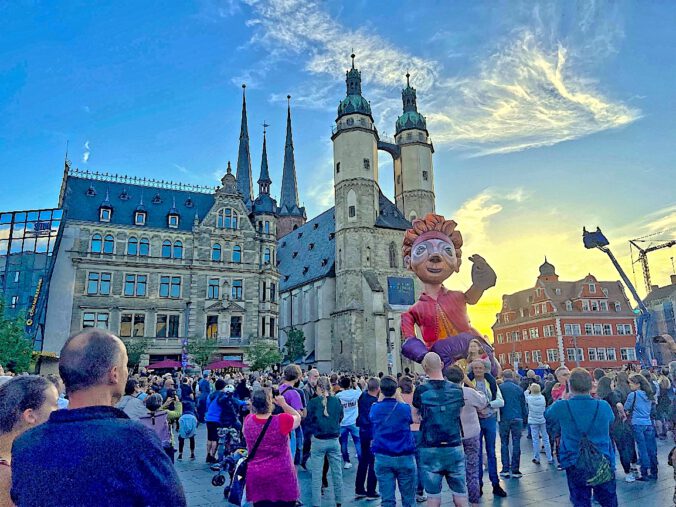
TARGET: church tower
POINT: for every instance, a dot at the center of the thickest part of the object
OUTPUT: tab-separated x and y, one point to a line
413	172
291	215
355	156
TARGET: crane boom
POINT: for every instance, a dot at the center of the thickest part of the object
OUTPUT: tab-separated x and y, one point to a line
643	259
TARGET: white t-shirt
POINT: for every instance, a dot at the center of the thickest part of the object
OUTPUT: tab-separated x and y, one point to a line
348	399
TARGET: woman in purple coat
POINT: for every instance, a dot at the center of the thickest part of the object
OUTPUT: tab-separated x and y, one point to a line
271	476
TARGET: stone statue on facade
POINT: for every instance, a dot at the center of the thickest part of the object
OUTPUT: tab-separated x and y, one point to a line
432	250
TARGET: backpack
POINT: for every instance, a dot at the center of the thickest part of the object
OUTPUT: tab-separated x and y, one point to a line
593	464
440	410
229	416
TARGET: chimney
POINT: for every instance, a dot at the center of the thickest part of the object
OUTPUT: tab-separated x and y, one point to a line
653	287
673	279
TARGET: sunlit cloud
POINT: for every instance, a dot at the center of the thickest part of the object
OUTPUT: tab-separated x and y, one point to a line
536	87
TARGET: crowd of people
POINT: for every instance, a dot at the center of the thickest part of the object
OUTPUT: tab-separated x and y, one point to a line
95	431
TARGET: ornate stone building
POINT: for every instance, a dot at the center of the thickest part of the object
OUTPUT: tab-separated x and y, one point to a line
343	281
168	261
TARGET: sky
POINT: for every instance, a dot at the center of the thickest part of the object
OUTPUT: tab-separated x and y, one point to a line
545	116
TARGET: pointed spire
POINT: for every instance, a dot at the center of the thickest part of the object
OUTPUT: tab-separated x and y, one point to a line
289	196
244	179
264	181
106	201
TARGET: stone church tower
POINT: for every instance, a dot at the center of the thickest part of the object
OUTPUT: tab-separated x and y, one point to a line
413	173
355	156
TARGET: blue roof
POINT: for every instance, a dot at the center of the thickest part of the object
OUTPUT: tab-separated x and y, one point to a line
308	253
390	217
124	198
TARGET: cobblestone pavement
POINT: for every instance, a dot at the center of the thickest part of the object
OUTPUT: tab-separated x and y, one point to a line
541	485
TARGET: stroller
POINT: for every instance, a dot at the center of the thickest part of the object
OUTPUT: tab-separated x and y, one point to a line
231	452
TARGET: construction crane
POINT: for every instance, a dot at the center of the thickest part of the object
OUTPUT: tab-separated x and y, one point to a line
643	257
644	348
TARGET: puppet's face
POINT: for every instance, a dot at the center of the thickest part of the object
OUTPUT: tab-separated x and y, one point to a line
433	260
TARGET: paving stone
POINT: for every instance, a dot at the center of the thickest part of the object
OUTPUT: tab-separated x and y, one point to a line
541	486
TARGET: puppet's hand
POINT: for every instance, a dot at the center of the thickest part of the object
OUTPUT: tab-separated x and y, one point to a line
483	276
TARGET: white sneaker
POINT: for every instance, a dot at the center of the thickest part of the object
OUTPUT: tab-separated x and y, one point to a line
630	477
347	465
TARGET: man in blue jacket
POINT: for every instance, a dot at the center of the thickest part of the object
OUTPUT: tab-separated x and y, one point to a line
393	446
92	453
512	416
582	413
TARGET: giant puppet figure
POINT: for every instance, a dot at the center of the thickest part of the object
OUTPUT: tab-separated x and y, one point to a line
432	251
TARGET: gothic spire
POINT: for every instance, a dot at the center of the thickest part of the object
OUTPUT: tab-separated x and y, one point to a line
289	197
264	181
244	179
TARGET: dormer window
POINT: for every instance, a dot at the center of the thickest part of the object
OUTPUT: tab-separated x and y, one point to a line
311	246
172	221
188	203
305	270
91	191
569	306
157	199
592	288
618	306
105	214
140	218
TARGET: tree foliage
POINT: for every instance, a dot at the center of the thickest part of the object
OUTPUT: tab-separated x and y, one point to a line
16	348
136	347
262	354
202	350
295	345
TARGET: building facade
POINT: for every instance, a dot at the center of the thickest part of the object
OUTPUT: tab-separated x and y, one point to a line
343	280
29	241
168	262
586	322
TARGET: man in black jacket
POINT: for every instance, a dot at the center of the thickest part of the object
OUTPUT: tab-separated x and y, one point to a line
93	453
512	417
365	471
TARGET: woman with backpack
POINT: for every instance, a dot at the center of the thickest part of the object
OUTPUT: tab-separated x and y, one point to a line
156	420
324	413
639	405
621	431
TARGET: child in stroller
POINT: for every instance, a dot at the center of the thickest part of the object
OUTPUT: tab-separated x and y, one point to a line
231	450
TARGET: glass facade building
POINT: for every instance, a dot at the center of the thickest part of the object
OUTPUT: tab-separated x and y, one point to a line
28	246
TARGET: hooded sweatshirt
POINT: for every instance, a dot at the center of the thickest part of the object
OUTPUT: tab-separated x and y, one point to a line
640	407
536	408
132	406
348	399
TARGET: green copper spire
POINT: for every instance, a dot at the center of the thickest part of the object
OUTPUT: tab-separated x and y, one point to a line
411	118
353	102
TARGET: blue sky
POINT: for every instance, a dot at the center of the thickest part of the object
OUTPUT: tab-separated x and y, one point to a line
545	116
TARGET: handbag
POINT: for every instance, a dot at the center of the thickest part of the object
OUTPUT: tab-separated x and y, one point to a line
236	491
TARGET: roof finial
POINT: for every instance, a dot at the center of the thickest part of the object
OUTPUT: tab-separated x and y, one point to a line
352	56
229	168
265	126
408	82
288	101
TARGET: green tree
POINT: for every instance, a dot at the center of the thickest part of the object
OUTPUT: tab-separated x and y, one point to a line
202	350
262	354
295	344
136	347
15	346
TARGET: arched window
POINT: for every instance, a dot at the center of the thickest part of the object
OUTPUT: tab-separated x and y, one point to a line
216	252
132	246
178	250
95	246
393	255
144	247
227	218
237	254
108	244
266	256
351	205
166	249
412	216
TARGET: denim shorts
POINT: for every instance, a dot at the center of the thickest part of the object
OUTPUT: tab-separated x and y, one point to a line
439	462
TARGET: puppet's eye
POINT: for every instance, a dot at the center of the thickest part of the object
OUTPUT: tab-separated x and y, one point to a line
449	250
420	249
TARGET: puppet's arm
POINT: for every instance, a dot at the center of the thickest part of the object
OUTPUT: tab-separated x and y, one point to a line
483	278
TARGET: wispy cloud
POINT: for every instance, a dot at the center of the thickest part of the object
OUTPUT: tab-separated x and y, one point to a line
86	153
535	88
181	168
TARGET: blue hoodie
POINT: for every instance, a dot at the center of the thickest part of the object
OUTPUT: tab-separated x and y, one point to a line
640	407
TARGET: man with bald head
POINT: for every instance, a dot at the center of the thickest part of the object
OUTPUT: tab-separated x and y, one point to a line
92	453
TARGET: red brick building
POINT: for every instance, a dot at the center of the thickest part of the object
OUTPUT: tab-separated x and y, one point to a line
540	325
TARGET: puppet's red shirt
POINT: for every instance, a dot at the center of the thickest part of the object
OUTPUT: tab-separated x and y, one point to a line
446	316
